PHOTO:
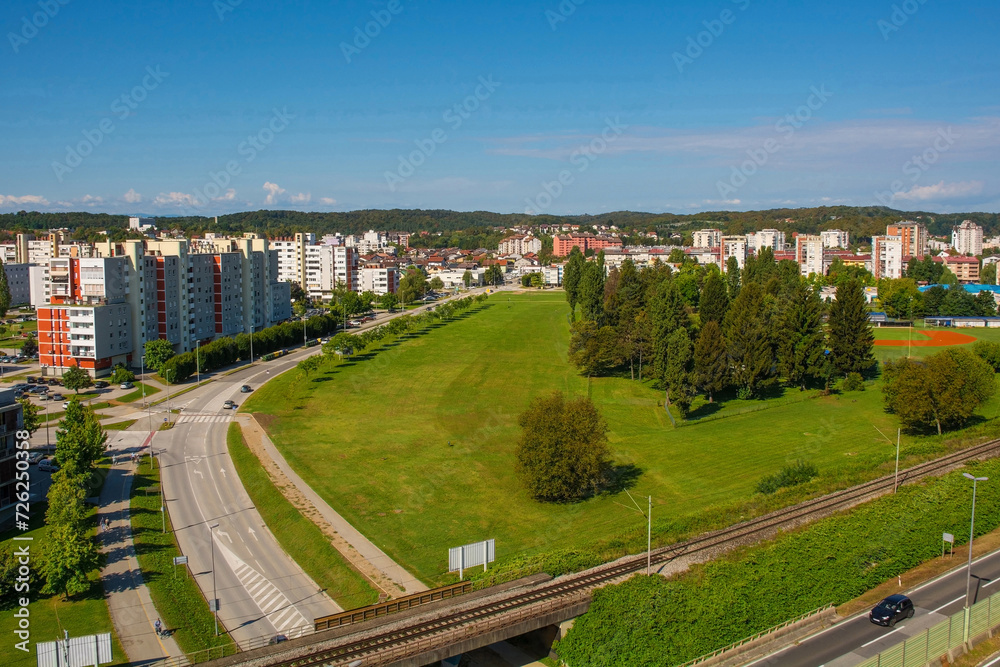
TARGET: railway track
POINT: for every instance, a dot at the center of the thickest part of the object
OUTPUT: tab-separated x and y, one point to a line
411	637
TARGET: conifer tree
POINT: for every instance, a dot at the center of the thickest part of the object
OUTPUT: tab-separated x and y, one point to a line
711	364
801	342
851	336
714	300
748	341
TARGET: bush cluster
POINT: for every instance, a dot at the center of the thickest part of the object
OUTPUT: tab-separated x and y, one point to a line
798	473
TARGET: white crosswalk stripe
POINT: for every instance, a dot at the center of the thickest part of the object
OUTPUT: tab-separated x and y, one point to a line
202	419
281	613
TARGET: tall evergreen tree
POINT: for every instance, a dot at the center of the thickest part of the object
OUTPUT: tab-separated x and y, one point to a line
666	315
714	300
571	277
801	342
711	363
748	341
679	377
851	336
591	293
733	278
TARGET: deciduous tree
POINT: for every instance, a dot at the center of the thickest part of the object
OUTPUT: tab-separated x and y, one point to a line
79	440
563	452
157	353
572	274
76	378
592	349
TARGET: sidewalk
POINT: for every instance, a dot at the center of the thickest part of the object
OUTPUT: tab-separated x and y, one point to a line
128	598
377	558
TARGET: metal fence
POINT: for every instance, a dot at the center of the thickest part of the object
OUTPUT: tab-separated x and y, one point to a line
936	641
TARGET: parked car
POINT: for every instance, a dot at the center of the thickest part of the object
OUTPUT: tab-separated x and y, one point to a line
126	385
31	379
101	384
893	608
229	405
57	397
54	382
245	389
48	465
355	323
35	457
40	389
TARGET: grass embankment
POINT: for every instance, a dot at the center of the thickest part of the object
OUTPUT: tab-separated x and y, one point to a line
414	444
298	536
137	394
50	615
175	594
652	620
119	426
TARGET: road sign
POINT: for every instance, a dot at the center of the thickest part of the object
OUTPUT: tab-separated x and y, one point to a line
950	539
213	605
471	555
180	560
75	652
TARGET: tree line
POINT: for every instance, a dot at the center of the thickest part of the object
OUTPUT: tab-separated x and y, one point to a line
698	331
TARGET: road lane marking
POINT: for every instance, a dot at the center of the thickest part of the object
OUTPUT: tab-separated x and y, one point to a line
878	639
268	598
946	604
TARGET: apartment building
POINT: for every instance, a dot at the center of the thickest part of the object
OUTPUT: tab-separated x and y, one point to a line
967	238
563	244
707	238
520	244
733	246
11	421
809	254
328	268
965	268
887	256
912	235
767	238
379	279
835	238
88	322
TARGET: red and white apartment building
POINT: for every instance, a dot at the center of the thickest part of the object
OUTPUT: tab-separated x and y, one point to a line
104	309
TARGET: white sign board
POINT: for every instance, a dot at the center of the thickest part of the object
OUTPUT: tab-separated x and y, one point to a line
180	560
948	537
76	652
471	555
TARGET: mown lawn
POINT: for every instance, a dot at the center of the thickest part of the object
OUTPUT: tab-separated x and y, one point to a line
414	445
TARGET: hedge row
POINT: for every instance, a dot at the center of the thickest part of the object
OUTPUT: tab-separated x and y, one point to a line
652	620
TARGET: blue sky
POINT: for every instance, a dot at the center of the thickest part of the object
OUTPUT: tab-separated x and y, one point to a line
580	106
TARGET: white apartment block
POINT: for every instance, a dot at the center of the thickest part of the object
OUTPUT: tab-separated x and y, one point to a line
809	254
887	257
328	267
520	245
733	246
835	238
381	279
767	238
967	238
708	238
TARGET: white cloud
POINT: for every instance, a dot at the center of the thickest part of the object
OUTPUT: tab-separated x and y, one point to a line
726	202
273	192
941	191
229	195
92	199
175	199
302	198
132	197
329	201
13	200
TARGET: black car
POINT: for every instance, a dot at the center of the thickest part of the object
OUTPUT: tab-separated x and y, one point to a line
890	610
101	384
245	389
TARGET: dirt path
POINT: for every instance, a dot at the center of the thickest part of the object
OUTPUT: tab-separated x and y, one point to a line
934	339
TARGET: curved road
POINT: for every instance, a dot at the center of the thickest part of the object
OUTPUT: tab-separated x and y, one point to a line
262	591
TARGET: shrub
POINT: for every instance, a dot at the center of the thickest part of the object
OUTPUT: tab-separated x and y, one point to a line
793	475
854	382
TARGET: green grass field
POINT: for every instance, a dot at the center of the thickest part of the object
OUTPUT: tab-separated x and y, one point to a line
414	445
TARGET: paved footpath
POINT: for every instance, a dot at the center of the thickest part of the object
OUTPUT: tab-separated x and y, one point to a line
128	598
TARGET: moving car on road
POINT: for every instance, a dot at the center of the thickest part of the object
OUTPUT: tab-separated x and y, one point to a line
893	608
229	405
48	465
245	389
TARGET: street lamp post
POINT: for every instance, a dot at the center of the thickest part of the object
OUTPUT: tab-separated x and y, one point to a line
215	598
972	532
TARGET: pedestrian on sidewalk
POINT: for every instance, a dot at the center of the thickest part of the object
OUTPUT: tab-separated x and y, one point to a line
159	627
114	459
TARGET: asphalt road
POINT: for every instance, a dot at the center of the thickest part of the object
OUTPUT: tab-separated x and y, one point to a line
262	591
853	640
